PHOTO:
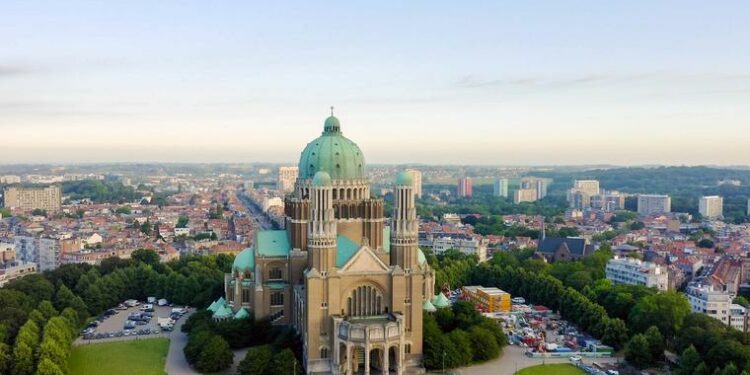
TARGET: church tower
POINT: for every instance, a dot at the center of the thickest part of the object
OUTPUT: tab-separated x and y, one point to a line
405	228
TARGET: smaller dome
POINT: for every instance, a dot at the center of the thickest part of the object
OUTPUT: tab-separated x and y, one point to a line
245	260
332	125
441	301
404	179
321	179
428	306
421	259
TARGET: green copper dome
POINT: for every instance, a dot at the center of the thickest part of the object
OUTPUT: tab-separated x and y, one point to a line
321	178
332	153
441	301
245	260
404	179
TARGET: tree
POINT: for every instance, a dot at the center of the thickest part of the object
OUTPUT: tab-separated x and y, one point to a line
729	369
257	361
615	333
637	351
702	369
689	361
742	301
48	367
705	243
284	362
665	310
484	344
216	356
146	256
462	345
182	221
23	359
656	343
5	358
47	309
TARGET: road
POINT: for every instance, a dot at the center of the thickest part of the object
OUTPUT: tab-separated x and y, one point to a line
176	363
513	359
254	212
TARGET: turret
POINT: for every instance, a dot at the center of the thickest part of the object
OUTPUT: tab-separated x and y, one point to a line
321	231
404	224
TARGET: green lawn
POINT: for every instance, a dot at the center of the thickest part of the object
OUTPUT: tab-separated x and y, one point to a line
558	369
144	357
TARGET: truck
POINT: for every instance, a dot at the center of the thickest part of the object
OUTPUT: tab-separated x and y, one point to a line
162	302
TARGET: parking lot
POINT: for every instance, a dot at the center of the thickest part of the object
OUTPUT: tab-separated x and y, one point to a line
113	327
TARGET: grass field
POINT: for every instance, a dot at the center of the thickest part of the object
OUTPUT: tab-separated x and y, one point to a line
143	357
558	369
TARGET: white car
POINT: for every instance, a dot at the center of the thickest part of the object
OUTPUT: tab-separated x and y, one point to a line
575	359
518	300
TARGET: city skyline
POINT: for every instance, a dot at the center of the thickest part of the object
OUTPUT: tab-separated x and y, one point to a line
496	84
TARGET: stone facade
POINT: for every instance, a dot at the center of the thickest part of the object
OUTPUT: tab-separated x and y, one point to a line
352	287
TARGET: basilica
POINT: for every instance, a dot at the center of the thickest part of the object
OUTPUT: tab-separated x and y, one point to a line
353	287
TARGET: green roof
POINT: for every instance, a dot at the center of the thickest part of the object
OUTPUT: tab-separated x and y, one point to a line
245	260
322	178
420	257
387	239
212	307
404	178
345	249
242	314
428	306
221	302
332	153
441	301
272	243
223	312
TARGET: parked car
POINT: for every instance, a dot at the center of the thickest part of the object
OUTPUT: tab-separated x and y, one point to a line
575	359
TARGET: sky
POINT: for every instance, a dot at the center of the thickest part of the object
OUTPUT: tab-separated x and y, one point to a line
433	82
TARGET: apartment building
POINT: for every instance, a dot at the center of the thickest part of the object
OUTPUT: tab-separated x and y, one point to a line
45	252
652	204
636	272
500	188
416	178
711	207
285	179
707	300
464	187
31	198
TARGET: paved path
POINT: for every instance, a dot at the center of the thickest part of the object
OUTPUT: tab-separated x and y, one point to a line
176	363
513	359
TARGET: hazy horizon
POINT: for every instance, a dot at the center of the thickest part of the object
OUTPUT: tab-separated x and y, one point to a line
434	83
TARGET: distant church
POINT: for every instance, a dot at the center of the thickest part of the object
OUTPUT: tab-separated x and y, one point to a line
353	288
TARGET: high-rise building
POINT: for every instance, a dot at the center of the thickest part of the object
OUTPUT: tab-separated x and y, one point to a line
652	204
580	196
536	183
589	186
525	195
31	198
707	300
500	189
353	289
286	178
464	187
416	176
711	207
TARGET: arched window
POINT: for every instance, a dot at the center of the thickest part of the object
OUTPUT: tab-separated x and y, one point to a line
407	348
365	301
277	299
275	273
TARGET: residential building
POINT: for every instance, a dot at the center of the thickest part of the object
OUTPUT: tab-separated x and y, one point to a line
738	317
335	273
711	207
286	178
536	183
500	189
636	272
465	244
652	204
525	195
707	300
416	176
581	194
9	179
464	187
20	269
608	201
591	187
487	300
30	198
45	252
